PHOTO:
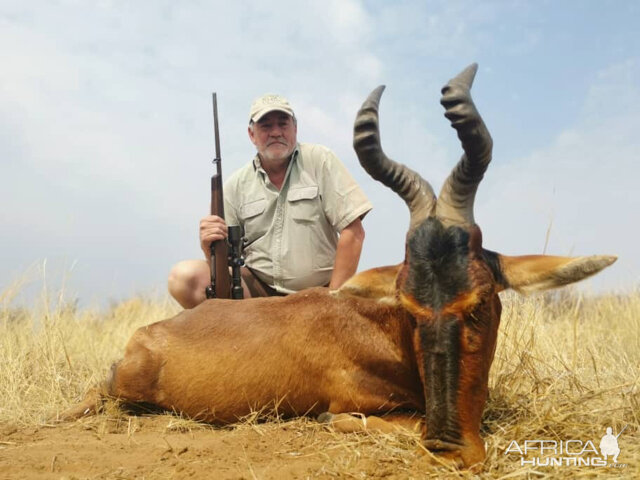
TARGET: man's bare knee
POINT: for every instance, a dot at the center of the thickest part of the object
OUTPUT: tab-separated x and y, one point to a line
187	281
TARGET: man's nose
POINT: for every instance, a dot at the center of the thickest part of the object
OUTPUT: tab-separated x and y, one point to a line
275	131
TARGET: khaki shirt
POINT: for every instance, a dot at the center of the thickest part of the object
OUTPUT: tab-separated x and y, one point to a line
291	234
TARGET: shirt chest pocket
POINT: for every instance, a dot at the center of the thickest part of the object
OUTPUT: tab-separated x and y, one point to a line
253	219
304	204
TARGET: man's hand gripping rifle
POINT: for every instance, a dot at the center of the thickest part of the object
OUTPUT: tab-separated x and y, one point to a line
224	253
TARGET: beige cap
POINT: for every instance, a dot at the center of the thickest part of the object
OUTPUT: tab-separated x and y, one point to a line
268	103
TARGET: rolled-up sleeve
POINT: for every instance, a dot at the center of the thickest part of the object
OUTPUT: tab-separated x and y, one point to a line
343	199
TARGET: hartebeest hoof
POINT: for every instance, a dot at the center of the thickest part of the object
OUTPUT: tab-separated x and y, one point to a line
325	417
348	423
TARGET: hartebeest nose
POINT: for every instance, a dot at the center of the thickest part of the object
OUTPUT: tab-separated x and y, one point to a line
439	344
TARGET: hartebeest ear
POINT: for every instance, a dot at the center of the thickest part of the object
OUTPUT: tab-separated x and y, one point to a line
529	273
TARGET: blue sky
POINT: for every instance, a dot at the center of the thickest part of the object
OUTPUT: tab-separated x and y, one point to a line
106	129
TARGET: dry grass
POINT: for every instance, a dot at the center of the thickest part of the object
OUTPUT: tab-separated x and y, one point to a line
566	368
52	353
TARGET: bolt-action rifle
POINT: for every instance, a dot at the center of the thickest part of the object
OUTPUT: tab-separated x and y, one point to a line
224	253
625	427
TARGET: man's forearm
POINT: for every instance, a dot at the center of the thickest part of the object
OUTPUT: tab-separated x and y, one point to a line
347	253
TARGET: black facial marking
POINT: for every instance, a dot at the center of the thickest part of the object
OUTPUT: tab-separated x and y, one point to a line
492	260
438	261
440	342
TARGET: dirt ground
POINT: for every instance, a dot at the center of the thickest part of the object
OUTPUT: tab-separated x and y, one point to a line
162	446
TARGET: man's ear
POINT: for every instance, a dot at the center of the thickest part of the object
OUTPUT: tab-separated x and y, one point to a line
530	273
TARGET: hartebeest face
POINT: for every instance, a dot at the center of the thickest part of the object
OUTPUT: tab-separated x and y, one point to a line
448	283
449	286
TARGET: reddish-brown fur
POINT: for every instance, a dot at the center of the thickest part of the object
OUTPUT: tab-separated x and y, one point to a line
309	353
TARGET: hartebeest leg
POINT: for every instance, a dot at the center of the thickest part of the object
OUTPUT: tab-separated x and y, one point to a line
393	423
88	406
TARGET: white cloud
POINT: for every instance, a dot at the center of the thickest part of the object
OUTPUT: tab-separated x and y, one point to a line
348	21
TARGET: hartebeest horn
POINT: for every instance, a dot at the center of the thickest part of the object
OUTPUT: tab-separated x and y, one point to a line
455	203
413	189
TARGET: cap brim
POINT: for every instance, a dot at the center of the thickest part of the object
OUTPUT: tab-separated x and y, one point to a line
262	113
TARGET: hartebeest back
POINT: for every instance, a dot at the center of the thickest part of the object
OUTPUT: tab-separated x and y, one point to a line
416	337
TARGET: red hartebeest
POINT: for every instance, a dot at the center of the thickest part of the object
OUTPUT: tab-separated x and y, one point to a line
416	337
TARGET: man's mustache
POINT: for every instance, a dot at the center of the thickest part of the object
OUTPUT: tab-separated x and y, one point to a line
282	142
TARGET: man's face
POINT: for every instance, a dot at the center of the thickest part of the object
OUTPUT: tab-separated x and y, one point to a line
274	135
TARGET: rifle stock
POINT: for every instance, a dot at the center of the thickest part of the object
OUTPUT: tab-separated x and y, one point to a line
219	249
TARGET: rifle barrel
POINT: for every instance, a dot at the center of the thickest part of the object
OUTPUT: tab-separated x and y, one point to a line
215	124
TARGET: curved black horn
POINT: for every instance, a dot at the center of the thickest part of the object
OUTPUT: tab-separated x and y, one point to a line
455	203
413	189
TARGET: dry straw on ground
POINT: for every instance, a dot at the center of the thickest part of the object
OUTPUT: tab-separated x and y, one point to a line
566	367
